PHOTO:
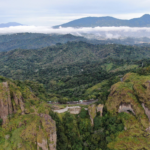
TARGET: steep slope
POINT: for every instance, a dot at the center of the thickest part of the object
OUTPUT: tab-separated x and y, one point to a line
9	106
26	120
143	21
34	40
131	98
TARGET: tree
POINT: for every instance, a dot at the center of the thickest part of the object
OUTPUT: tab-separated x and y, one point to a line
63	100
1	122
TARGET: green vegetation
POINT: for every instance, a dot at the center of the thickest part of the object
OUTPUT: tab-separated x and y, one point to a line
116	75
75	131
34	40
26	124
1	122
133	91
37	41
68	70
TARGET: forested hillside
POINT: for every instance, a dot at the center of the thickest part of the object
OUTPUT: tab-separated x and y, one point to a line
123	124
24	118
69	69
33	40
37	41
71	72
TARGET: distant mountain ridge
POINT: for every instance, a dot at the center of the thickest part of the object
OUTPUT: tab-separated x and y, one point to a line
143	21
37	40
34	40
4	25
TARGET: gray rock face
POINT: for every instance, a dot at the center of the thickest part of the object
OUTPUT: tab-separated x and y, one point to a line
100	109
7	107
92	113
5	102
42	145
19	101
50	127
126	108
147	111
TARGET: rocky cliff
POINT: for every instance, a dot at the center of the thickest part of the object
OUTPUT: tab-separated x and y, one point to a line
100	109
10	101
92	113
130	99
30	132
26	121
93	109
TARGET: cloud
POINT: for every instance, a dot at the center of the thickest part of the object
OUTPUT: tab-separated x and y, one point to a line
97	32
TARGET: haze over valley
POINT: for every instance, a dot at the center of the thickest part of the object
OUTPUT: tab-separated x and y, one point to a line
97	31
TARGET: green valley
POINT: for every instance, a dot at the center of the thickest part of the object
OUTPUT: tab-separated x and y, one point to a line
38	84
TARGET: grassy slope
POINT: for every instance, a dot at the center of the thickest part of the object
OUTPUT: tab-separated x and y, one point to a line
133	90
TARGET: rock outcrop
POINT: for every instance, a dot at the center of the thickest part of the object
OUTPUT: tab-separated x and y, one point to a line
132	96
10	101
50	127
126	108
5	101
100	109
147	111
129	95
18	99
43	145
92	113
35	130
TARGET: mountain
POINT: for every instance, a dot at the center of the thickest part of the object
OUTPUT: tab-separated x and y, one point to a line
120	116
130	100
68	69
36	40
9	24
143	21
118	120
123	122
25	122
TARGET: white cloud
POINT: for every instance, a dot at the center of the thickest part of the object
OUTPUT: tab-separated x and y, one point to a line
107	32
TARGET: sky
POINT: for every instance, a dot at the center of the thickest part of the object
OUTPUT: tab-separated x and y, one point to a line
56	12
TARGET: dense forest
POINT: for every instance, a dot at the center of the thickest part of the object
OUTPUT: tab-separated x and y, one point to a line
69	70
37	41
116	75
76	132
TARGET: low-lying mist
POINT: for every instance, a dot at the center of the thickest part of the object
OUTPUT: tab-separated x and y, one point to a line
88	32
